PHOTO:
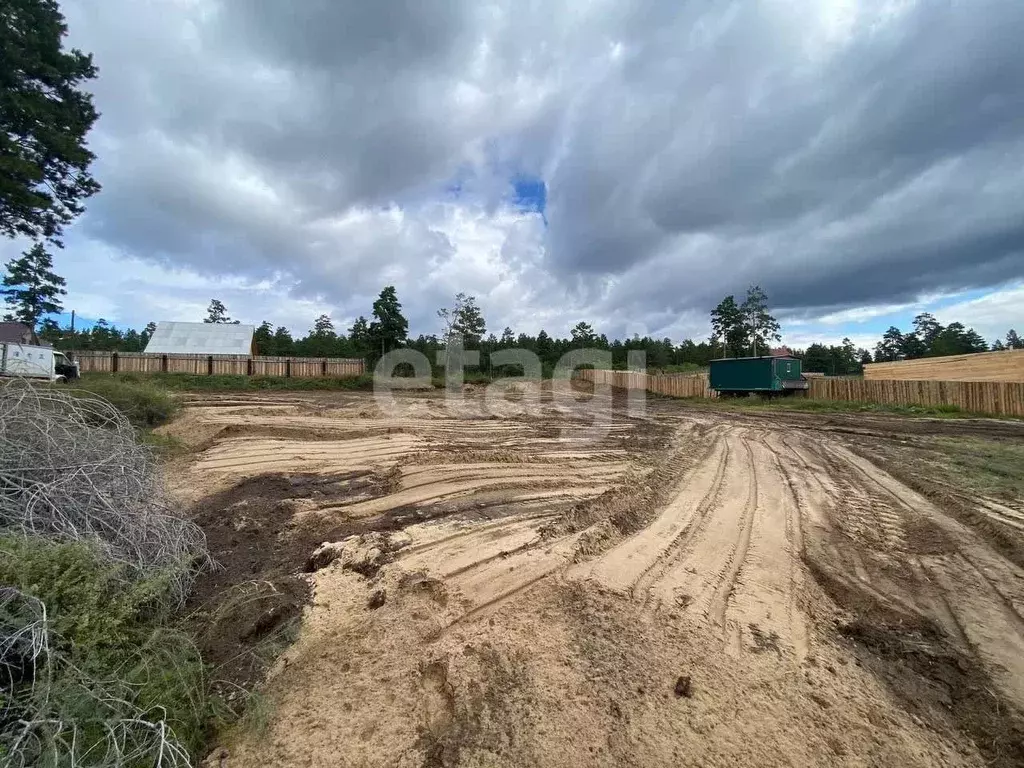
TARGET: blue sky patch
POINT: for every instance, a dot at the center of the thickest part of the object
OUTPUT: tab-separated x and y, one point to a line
531	195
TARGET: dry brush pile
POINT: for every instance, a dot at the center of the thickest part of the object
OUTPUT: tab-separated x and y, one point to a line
94	559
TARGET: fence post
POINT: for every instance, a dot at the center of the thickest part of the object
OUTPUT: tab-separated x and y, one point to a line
248	367
113	363
323	367
209	365
288	368
163	364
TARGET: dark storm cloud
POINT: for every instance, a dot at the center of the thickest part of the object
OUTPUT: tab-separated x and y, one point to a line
687	149
764	140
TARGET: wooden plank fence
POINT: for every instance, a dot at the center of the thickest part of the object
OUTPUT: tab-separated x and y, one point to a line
1005	365
674	385
998	398
204	365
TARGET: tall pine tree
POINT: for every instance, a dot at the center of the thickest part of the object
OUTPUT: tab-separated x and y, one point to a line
762	328
31	289
44	118
389	328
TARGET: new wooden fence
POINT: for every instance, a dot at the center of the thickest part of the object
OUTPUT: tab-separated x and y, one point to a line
990	397
1002	398
203	365
1006	365
675	385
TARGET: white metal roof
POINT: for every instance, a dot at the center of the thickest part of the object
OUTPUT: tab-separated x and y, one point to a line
201	339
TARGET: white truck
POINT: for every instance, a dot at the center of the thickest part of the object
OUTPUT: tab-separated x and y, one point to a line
31	362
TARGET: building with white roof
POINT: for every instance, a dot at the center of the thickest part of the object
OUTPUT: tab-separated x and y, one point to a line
173	338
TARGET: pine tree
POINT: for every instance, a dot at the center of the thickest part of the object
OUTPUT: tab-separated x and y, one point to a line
264	338
761	327
927	329
284	344
218	313
44	119
323	327
582	334
470	322
728	327
389	329
31	289
889	348
147	333
462	318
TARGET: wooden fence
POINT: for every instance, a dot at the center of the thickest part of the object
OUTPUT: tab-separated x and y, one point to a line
674	385
1001	398
1006	365
205	365
990	397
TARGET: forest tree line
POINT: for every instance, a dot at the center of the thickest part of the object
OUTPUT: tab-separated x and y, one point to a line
32	291
387	329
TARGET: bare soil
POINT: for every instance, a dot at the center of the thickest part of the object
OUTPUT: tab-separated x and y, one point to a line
570	582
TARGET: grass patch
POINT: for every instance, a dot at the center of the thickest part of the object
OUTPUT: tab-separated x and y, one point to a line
681	368
188	382
832	406
989	467
163	446
146	404
112	656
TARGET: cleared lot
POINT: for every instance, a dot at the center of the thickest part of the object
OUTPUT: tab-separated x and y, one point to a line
576	585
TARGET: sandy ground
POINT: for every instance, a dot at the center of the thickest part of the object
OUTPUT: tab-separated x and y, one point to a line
576	585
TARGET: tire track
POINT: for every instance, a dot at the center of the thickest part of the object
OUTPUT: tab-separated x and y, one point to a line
795	541
645	582
1013	613
940	606
725	588
623	566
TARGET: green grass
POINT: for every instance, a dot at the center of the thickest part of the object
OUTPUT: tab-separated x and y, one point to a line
118	384
830	406
145	403
188	382
683	368
113	650
164	446
986	466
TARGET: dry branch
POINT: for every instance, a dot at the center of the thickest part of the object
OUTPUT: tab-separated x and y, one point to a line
72	470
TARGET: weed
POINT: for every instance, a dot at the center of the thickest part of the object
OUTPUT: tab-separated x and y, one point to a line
112	651
829	406
144	403
186	382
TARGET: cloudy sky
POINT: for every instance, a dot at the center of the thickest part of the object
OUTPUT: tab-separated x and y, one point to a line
625	163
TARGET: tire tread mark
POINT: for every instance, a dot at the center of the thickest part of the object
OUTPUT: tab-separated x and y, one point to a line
722	594
1015	617
650	576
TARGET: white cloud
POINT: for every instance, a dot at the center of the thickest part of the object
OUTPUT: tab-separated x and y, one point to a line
991	315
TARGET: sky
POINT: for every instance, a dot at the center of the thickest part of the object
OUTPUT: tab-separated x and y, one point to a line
624	163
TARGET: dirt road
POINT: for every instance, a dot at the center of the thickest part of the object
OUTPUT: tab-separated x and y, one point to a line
589	587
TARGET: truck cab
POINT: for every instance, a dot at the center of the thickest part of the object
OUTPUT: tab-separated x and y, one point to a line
64	368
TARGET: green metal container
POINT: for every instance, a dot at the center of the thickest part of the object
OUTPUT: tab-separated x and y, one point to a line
770	374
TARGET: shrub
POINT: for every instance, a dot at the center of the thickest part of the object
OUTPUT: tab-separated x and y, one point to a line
185	382
106	677
145	404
